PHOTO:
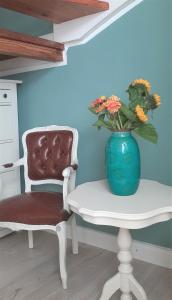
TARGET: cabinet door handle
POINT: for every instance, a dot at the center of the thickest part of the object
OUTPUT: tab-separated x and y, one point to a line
5	95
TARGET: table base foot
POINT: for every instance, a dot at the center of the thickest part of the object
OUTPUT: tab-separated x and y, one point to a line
110	287
124	279
137	289
114	284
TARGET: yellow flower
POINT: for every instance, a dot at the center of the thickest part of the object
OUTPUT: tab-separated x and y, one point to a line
157	99
146	83
140	114
103	97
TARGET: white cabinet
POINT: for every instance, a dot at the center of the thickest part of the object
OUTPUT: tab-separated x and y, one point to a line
9	139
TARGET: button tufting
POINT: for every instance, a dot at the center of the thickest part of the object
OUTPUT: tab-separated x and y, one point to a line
56	140
49	153
37	152
43	167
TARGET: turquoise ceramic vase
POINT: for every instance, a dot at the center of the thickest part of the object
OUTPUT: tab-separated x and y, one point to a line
123	163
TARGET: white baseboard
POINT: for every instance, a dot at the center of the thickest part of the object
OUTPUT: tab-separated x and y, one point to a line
156	255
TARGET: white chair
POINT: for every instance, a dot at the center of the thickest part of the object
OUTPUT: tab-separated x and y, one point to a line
50	157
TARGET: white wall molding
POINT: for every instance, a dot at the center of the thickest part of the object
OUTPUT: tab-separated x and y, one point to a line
150	253
72	33
82	30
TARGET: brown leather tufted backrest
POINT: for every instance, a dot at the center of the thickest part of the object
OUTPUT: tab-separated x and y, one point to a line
49	153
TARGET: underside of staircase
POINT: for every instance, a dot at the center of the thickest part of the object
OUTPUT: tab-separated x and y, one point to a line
74	22
13	44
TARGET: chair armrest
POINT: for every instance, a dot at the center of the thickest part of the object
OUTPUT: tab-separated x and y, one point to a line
67	171
69	183
11	166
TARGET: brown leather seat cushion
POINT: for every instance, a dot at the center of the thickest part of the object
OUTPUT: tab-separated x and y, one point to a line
34	208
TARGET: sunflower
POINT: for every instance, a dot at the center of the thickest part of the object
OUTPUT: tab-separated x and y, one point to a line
144	82
157	99
140	114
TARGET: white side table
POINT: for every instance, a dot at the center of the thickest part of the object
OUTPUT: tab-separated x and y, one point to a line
95	204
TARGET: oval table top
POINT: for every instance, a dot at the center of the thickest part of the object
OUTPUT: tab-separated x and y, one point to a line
93	201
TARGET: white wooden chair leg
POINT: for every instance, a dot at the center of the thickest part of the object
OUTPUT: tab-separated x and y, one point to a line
62	235
30	239
74	235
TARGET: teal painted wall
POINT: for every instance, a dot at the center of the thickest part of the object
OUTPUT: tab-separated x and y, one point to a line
22	23
170	80
135	46
170	102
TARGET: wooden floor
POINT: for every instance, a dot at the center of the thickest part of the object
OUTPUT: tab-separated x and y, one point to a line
34	274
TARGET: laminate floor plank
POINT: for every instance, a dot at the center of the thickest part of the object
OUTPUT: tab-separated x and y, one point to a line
33	274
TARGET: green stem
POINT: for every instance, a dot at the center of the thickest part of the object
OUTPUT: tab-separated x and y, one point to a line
127	124
118	125
120	122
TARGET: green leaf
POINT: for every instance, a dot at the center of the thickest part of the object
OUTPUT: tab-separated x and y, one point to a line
137	96
113	124
150	102
128	113
133	93
92	110
101	123
138	101
136	91
101	117
123	118
148	132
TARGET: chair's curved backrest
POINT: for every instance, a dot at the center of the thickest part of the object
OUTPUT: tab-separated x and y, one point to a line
47	152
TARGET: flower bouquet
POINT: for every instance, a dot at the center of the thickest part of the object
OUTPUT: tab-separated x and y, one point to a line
122	151
115	115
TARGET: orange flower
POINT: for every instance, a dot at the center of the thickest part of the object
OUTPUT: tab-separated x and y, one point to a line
113	106
97	102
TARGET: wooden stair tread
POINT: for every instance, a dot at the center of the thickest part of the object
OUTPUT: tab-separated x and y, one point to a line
30	39
14	44
56	11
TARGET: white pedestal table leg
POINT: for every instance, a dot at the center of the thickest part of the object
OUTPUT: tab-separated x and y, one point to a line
124	279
